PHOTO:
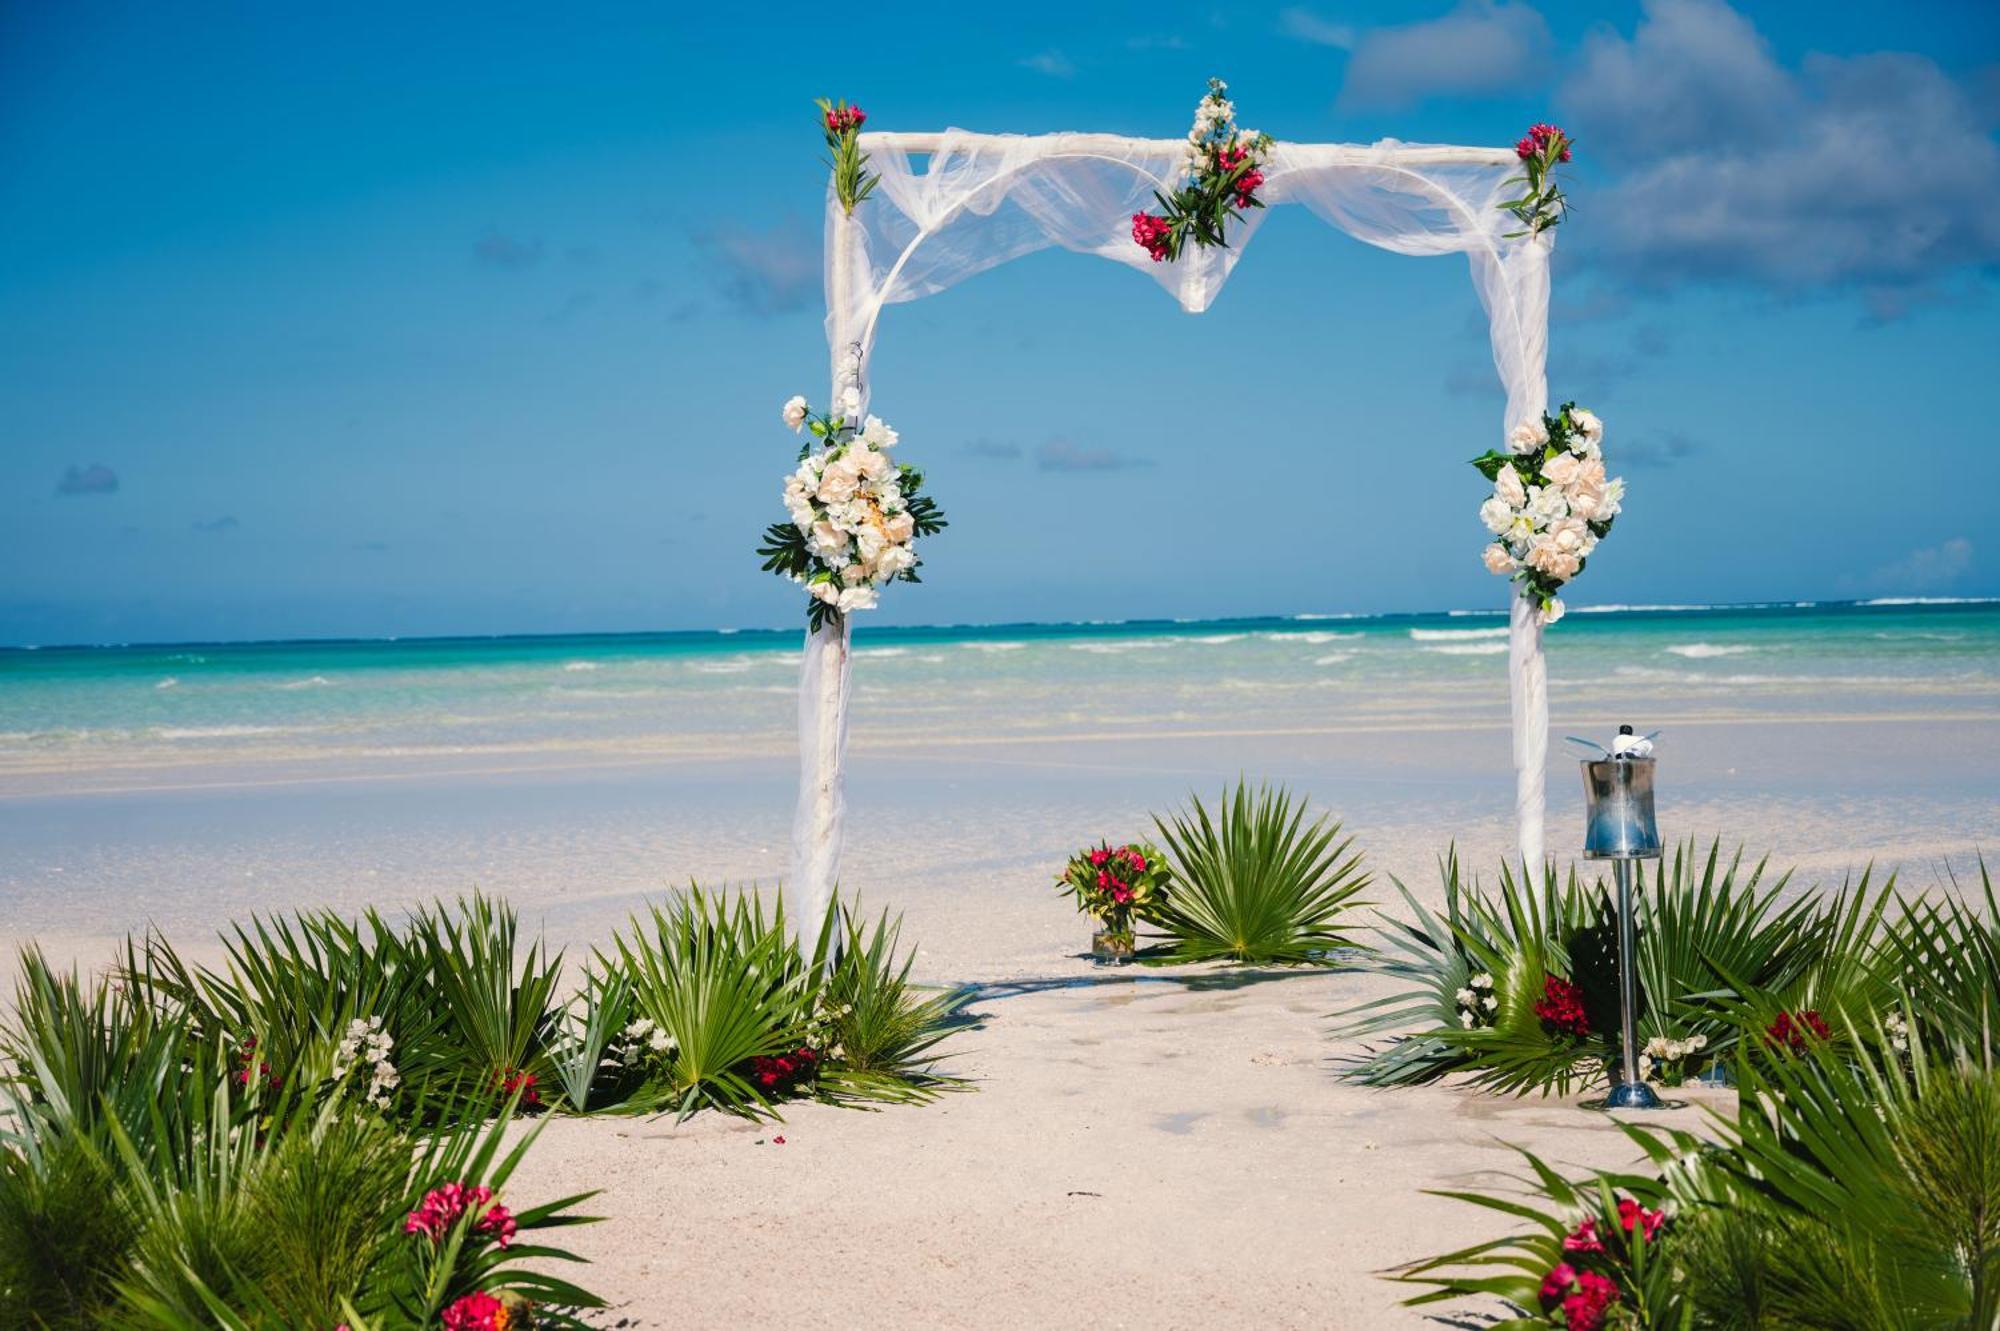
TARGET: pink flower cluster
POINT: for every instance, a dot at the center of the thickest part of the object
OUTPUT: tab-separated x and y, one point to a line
509	1080
1153	233
843	118
476	1312
1110	865
779	1073
1631	1215
1791	1030
254	1069
442	1207
1585	1297
1246	186
1561	1007
1537	140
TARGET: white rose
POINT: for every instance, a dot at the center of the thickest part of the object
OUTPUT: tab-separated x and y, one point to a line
853	574
1569	534
1553	611
1614	498
1585	501
795	413
1562	469
1496	514
1546	504
1528	436
899	527
826	591
1507	485
894	560
870	463
876	432
1497	559
827	539
1587	425
1547	556
857	598
842	478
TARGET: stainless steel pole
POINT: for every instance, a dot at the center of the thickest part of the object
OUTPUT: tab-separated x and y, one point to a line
1632	1092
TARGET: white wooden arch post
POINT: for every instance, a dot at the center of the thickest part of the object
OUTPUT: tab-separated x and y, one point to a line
996	197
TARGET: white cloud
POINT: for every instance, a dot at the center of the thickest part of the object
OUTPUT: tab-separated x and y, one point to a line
1306	26
1877	171
1052	63
1483	47
1931	568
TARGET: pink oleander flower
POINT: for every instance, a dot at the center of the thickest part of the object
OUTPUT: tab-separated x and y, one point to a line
442	1206
1557	1284
1630	1213
1537	140
1585	1309
1584	1237
1153	234
476	1312
1790	1031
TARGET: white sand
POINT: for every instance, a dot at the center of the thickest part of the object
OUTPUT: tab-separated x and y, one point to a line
1169	1150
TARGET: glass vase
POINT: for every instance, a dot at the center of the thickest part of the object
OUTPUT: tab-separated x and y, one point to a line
1112	943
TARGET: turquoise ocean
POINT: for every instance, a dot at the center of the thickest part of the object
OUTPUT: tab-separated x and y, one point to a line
81	706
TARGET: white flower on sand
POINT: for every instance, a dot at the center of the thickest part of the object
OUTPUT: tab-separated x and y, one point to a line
1507	486
1528	436
795	413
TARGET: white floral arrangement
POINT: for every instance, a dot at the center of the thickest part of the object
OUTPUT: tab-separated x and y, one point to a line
367	1045
1476	1002
855	514
642	1041
1551	503
1666	1060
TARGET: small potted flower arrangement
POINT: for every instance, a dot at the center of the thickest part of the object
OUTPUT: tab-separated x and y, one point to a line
1115	885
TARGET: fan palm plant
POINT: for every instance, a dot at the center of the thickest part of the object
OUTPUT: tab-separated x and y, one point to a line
1258	883
884	1030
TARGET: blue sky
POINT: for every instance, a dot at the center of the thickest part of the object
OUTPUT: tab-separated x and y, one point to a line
440	319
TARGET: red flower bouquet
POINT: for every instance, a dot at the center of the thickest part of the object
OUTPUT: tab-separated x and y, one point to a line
1541	204
1221	172
1115	885
1792	1032
1561	1007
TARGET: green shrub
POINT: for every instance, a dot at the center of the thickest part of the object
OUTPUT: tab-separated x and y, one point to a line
1257	882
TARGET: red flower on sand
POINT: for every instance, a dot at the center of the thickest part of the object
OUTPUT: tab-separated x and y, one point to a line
1537	141
1630	1213
1561	1007
442	1207
779	1074
476	1312
1791	1030
509	1080
1585	1309
1557	1284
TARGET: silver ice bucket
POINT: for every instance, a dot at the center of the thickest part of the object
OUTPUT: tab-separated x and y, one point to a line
1618	810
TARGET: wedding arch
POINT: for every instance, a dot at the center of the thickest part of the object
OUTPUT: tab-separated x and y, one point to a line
898	230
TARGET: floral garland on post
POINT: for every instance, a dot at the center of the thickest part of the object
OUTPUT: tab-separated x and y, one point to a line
1222	170
1551	503
852	181
855	515
1543	205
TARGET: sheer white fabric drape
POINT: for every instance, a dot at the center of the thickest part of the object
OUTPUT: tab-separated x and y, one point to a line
982	199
